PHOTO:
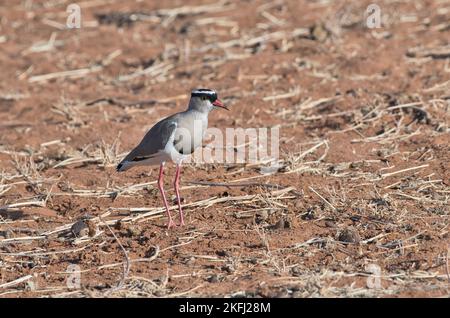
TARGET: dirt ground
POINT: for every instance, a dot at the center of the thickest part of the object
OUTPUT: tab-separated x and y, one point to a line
359	206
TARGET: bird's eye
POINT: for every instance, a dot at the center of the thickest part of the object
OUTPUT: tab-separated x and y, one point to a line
203	97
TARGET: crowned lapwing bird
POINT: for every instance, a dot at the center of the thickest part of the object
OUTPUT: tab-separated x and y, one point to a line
174	139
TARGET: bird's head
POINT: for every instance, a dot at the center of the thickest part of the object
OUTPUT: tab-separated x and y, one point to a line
205	100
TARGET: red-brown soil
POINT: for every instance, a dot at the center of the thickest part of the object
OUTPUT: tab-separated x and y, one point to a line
364	182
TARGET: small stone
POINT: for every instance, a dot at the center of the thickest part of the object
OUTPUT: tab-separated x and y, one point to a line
282	294
133	231
309	215
189	261
298	294
151	252
80	228
296	271
228	268
349	235
298	205
6	234
319	32
283	223
31	285
222	253
159	293
261	216
213	279
142	240
279	225
118	225
264	214
288	223
173	198
92	227
330	224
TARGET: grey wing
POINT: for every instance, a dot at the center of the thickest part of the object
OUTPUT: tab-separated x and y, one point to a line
154	140
184	143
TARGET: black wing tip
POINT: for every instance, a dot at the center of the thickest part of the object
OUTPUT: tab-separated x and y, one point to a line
119	167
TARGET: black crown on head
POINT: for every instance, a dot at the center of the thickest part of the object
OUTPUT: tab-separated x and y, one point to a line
205	92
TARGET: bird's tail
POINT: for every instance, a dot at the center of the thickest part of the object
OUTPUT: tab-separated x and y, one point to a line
123	166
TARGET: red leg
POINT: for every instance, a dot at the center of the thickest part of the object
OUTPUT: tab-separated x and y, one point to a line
176	185
161	189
